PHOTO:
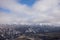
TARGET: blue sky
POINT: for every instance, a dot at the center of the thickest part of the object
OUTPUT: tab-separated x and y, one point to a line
5	10
29	11
27	2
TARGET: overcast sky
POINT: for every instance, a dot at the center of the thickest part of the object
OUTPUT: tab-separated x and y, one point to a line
29	11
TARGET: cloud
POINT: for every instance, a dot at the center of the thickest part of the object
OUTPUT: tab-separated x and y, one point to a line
49	10
43	11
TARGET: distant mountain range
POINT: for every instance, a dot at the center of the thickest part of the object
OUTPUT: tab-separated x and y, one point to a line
32	28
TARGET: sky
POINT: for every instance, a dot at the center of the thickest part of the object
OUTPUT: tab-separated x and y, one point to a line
29	11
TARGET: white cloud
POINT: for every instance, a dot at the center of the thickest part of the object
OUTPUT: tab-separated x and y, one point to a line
43	11
48	9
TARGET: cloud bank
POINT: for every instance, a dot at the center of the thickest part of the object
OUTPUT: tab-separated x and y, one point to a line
42	11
